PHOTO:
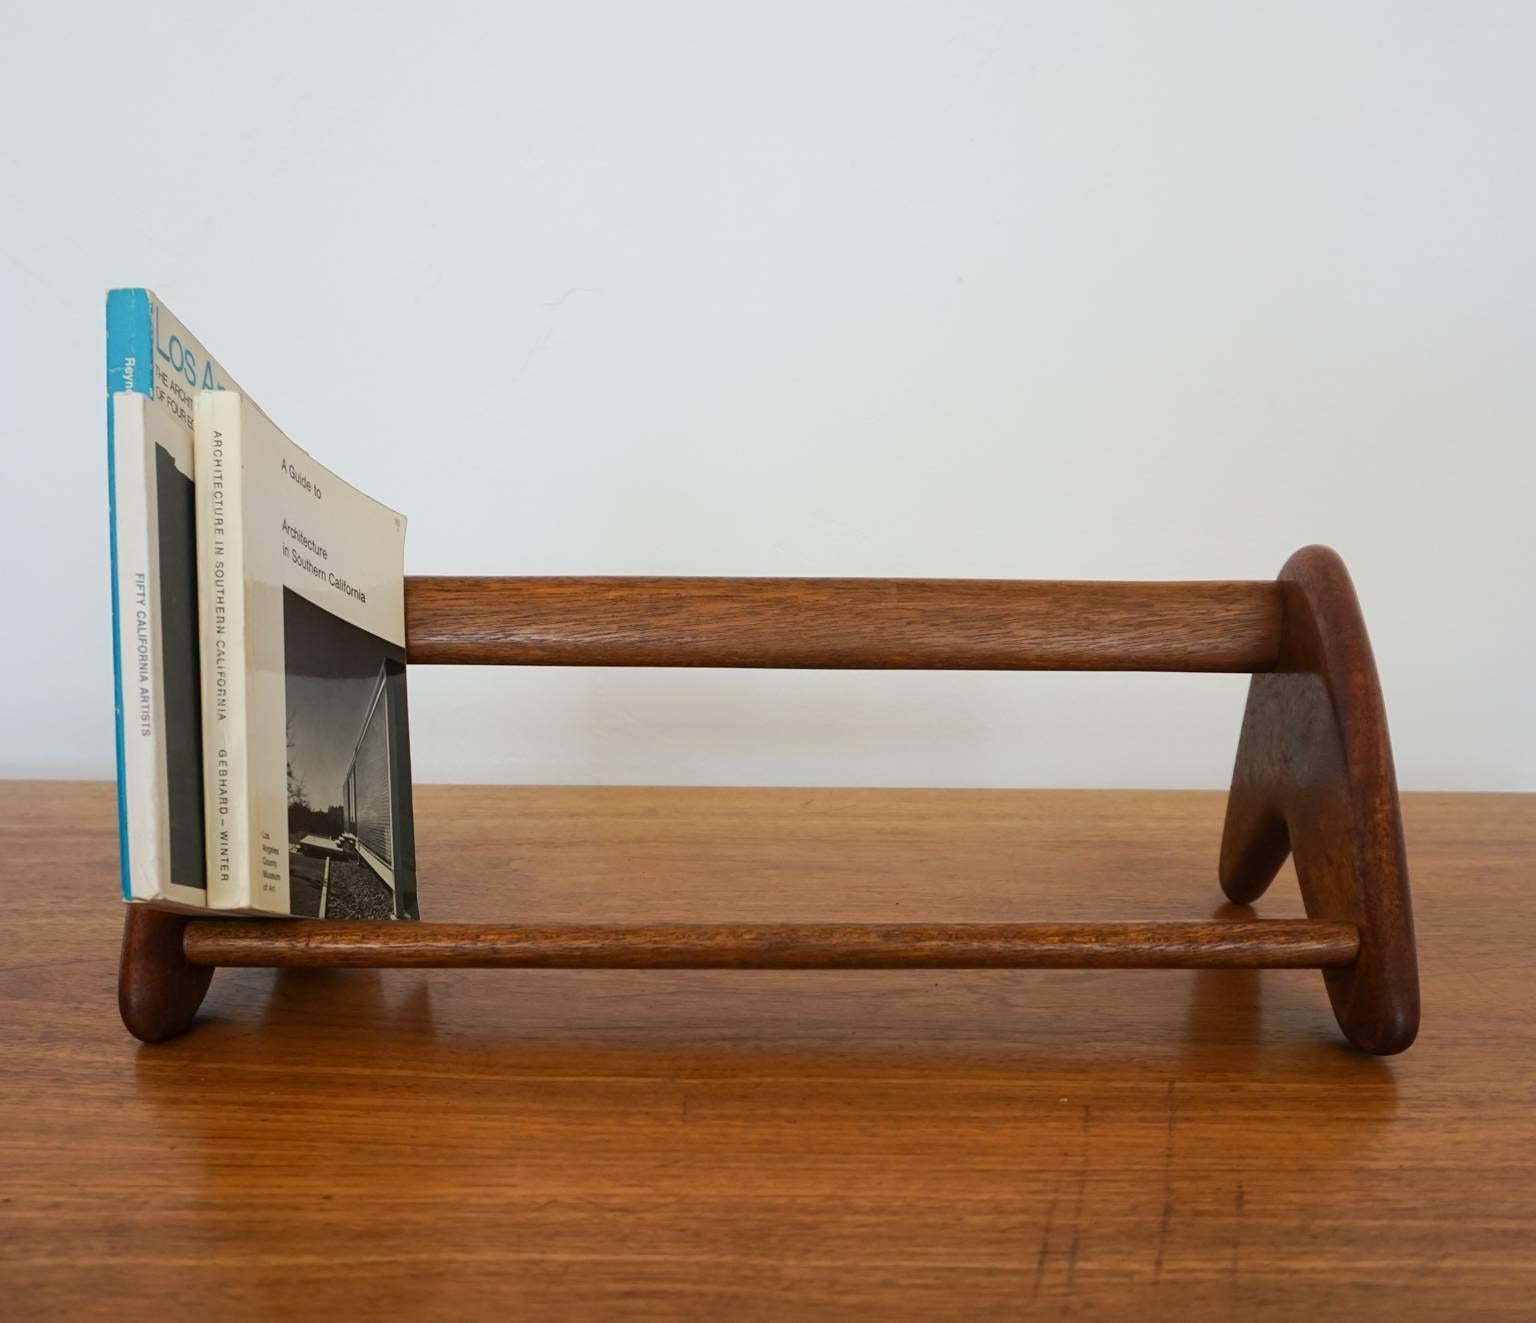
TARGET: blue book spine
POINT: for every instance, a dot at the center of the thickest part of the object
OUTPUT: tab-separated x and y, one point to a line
130	366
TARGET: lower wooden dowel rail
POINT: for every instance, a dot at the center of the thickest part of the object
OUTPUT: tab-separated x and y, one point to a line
1264	944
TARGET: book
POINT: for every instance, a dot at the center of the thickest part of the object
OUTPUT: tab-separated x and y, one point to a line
306	751
154	366
160	789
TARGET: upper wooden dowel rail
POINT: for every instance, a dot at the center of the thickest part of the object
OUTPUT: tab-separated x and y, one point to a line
845	624
1230	944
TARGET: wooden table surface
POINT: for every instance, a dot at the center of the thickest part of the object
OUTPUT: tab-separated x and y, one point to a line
628	1145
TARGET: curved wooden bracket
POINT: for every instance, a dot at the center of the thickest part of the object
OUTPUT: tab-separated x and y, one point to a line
1314	779
158	988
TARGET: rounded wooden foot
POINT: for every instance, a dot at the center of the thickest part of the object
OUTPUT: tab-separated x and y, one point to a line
158	988
1314	777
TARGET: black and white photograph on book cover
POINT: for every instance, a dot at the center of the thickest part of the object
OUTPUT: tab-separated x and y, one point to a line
351	840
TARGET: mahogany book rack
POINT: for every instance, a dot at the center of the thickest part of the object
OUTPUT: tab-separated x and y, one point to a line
1313	778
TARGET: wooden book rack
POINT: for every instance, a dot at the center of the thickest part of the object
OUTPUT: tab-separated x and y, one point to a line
1313	778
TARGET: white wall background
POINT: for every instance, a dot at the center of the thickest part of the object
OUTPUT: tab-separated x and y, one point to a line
989	289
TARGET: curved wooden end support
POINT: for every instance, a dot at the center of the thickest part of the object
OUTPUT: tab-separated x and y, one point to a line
1314	778
158	988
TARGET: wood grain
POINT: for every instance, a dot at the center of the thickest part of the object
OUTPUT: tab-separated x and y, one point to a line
158	989
1314	775
627	1145
1307	624
1230	944
833	624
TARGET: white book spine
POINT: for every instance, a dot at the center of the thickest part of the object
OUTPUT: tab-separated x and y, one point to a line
145	712
142	696
221	594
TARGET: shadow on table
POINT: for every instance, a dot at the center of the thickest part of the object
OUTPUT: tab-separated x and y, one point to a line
406	1132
